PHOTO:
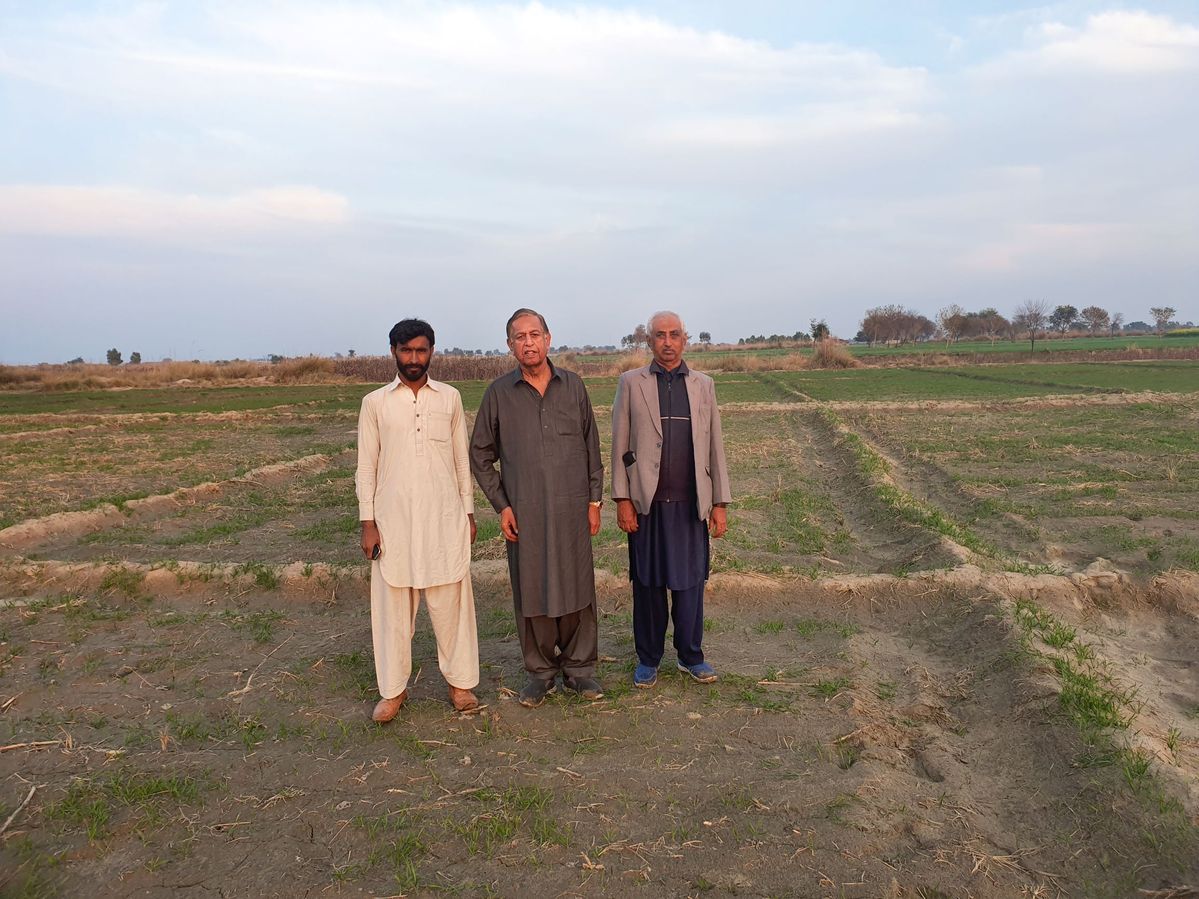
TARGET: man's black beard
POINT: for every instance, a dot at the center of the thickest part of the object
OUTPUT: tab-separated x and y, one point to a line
406	372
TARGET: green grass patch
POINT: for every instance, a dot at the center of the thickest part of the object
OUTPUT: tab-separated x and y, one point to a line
259	625
119	579
90	803
810	627
827	689
508	812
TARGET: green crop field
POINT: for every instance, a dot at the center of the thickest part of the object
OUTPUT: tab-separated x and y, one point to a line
702	357
180	399
1043	345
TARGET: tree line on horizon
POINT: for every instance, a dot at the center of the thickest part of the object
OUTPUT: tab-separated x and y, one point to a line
895	324
891	324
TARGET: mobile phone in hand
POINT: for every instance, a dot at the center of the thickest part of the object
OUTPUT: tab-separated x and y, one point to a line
376	552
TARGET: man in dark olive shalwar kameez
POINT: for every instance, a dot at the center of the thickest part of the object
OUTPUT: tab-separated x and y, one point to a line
537	423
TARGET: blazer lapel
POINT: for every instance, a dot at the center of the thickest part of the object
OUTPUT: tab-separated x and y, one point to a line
649	393
696	400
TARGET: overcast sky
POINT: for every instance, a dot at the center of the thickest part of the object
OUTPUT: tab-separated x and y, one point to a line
231	179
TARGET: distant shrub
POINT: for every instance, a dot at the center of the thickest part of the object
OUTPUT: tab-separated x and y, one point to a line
13	377
468	368
742	362
367	369
630	361
791	362
831	354
380	369
303	369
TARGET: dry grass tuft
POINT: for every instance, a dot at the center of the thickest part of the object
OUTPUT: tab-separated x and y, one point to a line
305	370
746	362
831	354
629	361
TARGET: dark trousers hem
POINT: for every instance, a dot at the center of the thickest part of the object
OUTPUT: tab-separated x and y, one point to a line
650	618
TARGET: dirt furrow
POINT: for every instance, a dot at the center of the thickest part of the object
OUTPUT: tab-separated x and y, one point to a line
71	525
881	542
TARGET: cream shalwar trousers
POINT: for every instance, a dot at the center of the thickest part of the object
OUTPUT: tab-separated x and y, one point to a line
393	620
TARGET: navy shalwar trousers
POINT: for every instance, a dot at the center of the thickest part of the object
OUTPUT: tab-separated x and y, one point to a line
669	551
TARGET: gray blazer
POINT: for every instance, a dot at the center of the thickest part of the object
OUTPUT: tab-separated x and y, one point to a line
637	427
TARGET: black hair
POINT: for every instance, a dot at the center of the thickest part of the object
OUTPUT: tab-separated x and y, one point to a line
410	329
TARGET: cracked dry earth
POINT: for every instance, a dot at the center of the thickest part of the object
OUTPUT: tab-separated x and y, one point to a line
892	742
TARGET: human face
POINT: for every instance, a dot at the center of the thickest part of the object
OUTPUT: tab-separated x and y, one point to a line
529	342
412	359
667	341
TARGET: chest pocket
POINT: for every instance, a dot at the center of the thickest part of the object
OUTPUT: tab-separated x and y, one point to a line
567	424
439	426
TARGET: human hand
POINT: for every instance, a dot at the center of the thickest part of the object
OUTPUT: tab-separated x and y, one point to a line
626	516
370	540
718	522
474	529
508	524
593	519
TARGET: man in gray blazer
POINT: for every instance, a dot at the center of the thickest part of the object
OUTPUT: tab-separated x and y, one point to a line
671	486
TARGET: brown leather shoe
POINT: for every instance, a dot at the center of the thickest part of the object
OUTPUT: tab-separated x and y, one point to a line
463	700
386	709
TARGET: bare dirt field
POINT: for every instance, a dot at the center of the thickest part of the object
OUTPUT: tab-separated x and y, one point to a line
958	640
877	742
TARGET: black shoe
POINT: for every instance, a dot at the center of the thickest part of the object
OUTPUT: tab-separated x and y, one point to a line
587	687
535	692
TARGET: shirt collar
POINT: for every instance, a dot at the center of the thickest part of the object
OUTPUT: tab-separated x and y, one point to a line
516	376
659	370
396	383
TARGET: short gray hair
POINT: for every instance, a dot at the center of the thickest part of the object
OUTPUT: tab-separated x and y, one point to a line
519	313
649	325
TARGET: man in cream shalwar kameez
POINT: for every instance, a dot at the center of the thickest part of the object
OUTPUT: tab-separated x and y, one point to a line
416	504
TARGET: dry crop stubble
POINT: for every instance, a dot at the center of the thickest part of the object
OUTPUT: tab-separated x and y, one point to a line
51	474
1114	481
765	782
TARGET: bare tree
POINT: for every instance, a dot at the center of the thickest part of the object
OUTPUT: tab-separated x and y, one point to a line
952	320
639	337
993	324
1161	317
1117	323
892	322
1030	319
1096	318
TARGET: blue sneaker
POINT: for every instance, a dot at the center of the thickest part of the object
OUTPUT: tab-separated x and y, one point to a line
645	677
703	673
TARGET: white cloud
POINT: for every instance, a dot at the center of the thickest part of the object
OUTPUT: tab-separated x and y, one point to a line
1121	42
151	215
1125	42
